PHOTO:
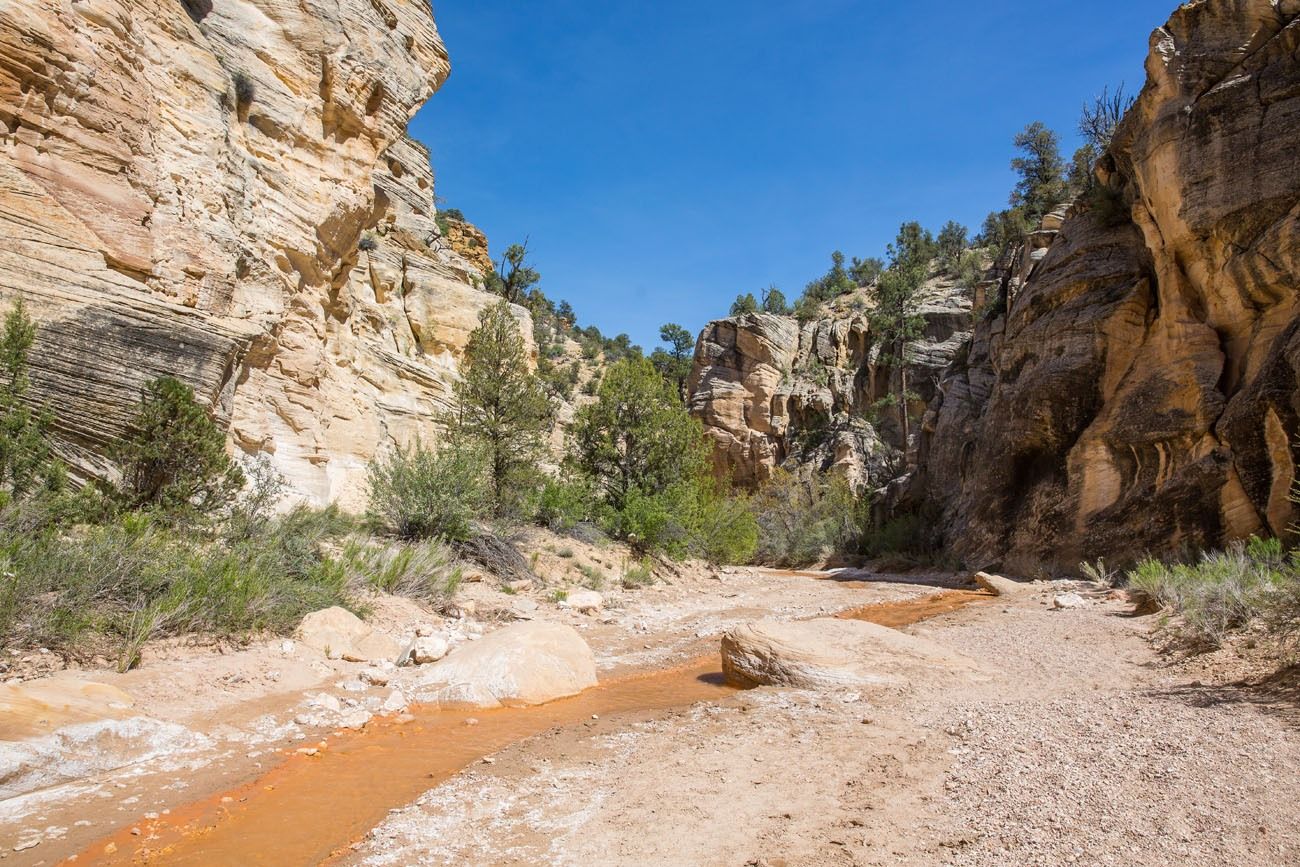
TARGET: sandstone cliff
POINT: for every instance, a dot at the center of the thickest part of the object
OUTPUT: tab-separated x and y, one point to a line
225	192
1141	392
774	392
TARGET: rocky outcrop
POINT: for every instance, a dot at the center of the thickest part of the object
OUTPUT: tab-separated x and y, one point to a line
774	392
225	192
1140	394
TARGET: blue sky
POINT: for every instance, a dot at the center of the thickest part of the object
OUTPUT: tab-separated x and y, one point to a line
663	157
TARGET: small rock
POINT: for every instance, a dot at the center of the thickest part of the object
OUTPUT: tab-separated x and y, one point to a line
395	702
355	719
375	677
584	601
1068	601
520	586
999	586
427	649
424	630
287	646
24	845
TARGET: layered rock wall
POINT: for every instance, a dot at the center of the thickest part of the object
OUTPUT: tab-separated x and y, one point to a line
1140	395
185	188
772	391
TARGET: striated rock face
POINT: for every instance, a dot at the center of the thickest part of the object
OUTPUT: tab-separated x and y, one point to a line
772	392
1141	393
225	192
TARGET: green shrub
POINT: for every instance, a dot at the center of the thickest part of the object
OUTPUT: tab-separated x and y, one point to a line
173	457
639	575
564	503
802	521
25	460
1221	592
416	493
593	577
424	570
121	583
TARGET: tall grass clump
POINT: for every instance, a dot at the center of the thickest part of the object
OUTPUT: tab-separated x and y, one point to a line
1221	592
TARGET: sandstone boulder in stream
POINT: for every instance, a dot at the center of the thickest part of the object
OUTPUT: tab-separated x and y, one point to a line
828	653
518	665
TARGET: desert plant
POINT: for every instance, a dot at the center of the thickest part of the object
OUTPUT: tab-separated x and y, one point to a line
25	459
417	493
1220	592
802	521
502	410
173	457
424	570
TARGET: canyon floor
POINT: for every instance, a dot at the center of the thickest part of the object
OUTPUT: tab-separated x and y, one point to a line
1075	742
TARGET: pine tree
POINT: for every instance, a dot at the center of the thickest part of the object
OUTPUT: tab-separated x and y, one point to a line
1042	172
502	407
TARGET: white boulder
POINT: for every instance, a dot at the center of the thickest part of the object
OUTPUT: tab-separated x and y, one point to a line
522	664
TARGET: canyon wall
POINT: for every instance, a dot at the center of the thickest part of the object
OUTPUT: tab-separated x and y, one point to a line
774	392
1140	394
225	192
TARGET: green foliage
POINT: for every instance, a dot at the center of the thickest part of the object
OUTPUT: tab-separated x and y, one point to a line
951	243
1223	591
424	570
774	302
913	249
806	309
968	270
674	362
1004	230
833	283
641	574
173	458
416	493
514	277
502	409
744	305
135	578
1041	172
864	272
565	502
593	578
636	436
803	521
25	460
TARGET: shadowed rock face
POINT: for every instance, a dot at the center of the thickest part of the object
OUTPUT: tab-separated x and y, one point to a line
1141	394
184	189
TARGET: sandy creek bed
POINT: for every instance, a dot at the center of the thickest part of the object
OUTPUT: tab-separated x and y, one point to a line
663	764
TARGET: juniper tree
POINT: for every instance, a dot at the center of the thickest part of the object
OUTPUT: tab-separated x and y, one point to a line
501	407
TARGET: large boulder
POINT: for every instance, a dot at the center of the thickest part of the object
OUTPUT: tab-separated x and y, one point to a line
518	665
337	632
829	653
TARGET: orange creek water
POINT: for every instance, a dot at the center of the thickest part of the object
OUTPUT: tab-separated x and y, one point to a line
310	808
